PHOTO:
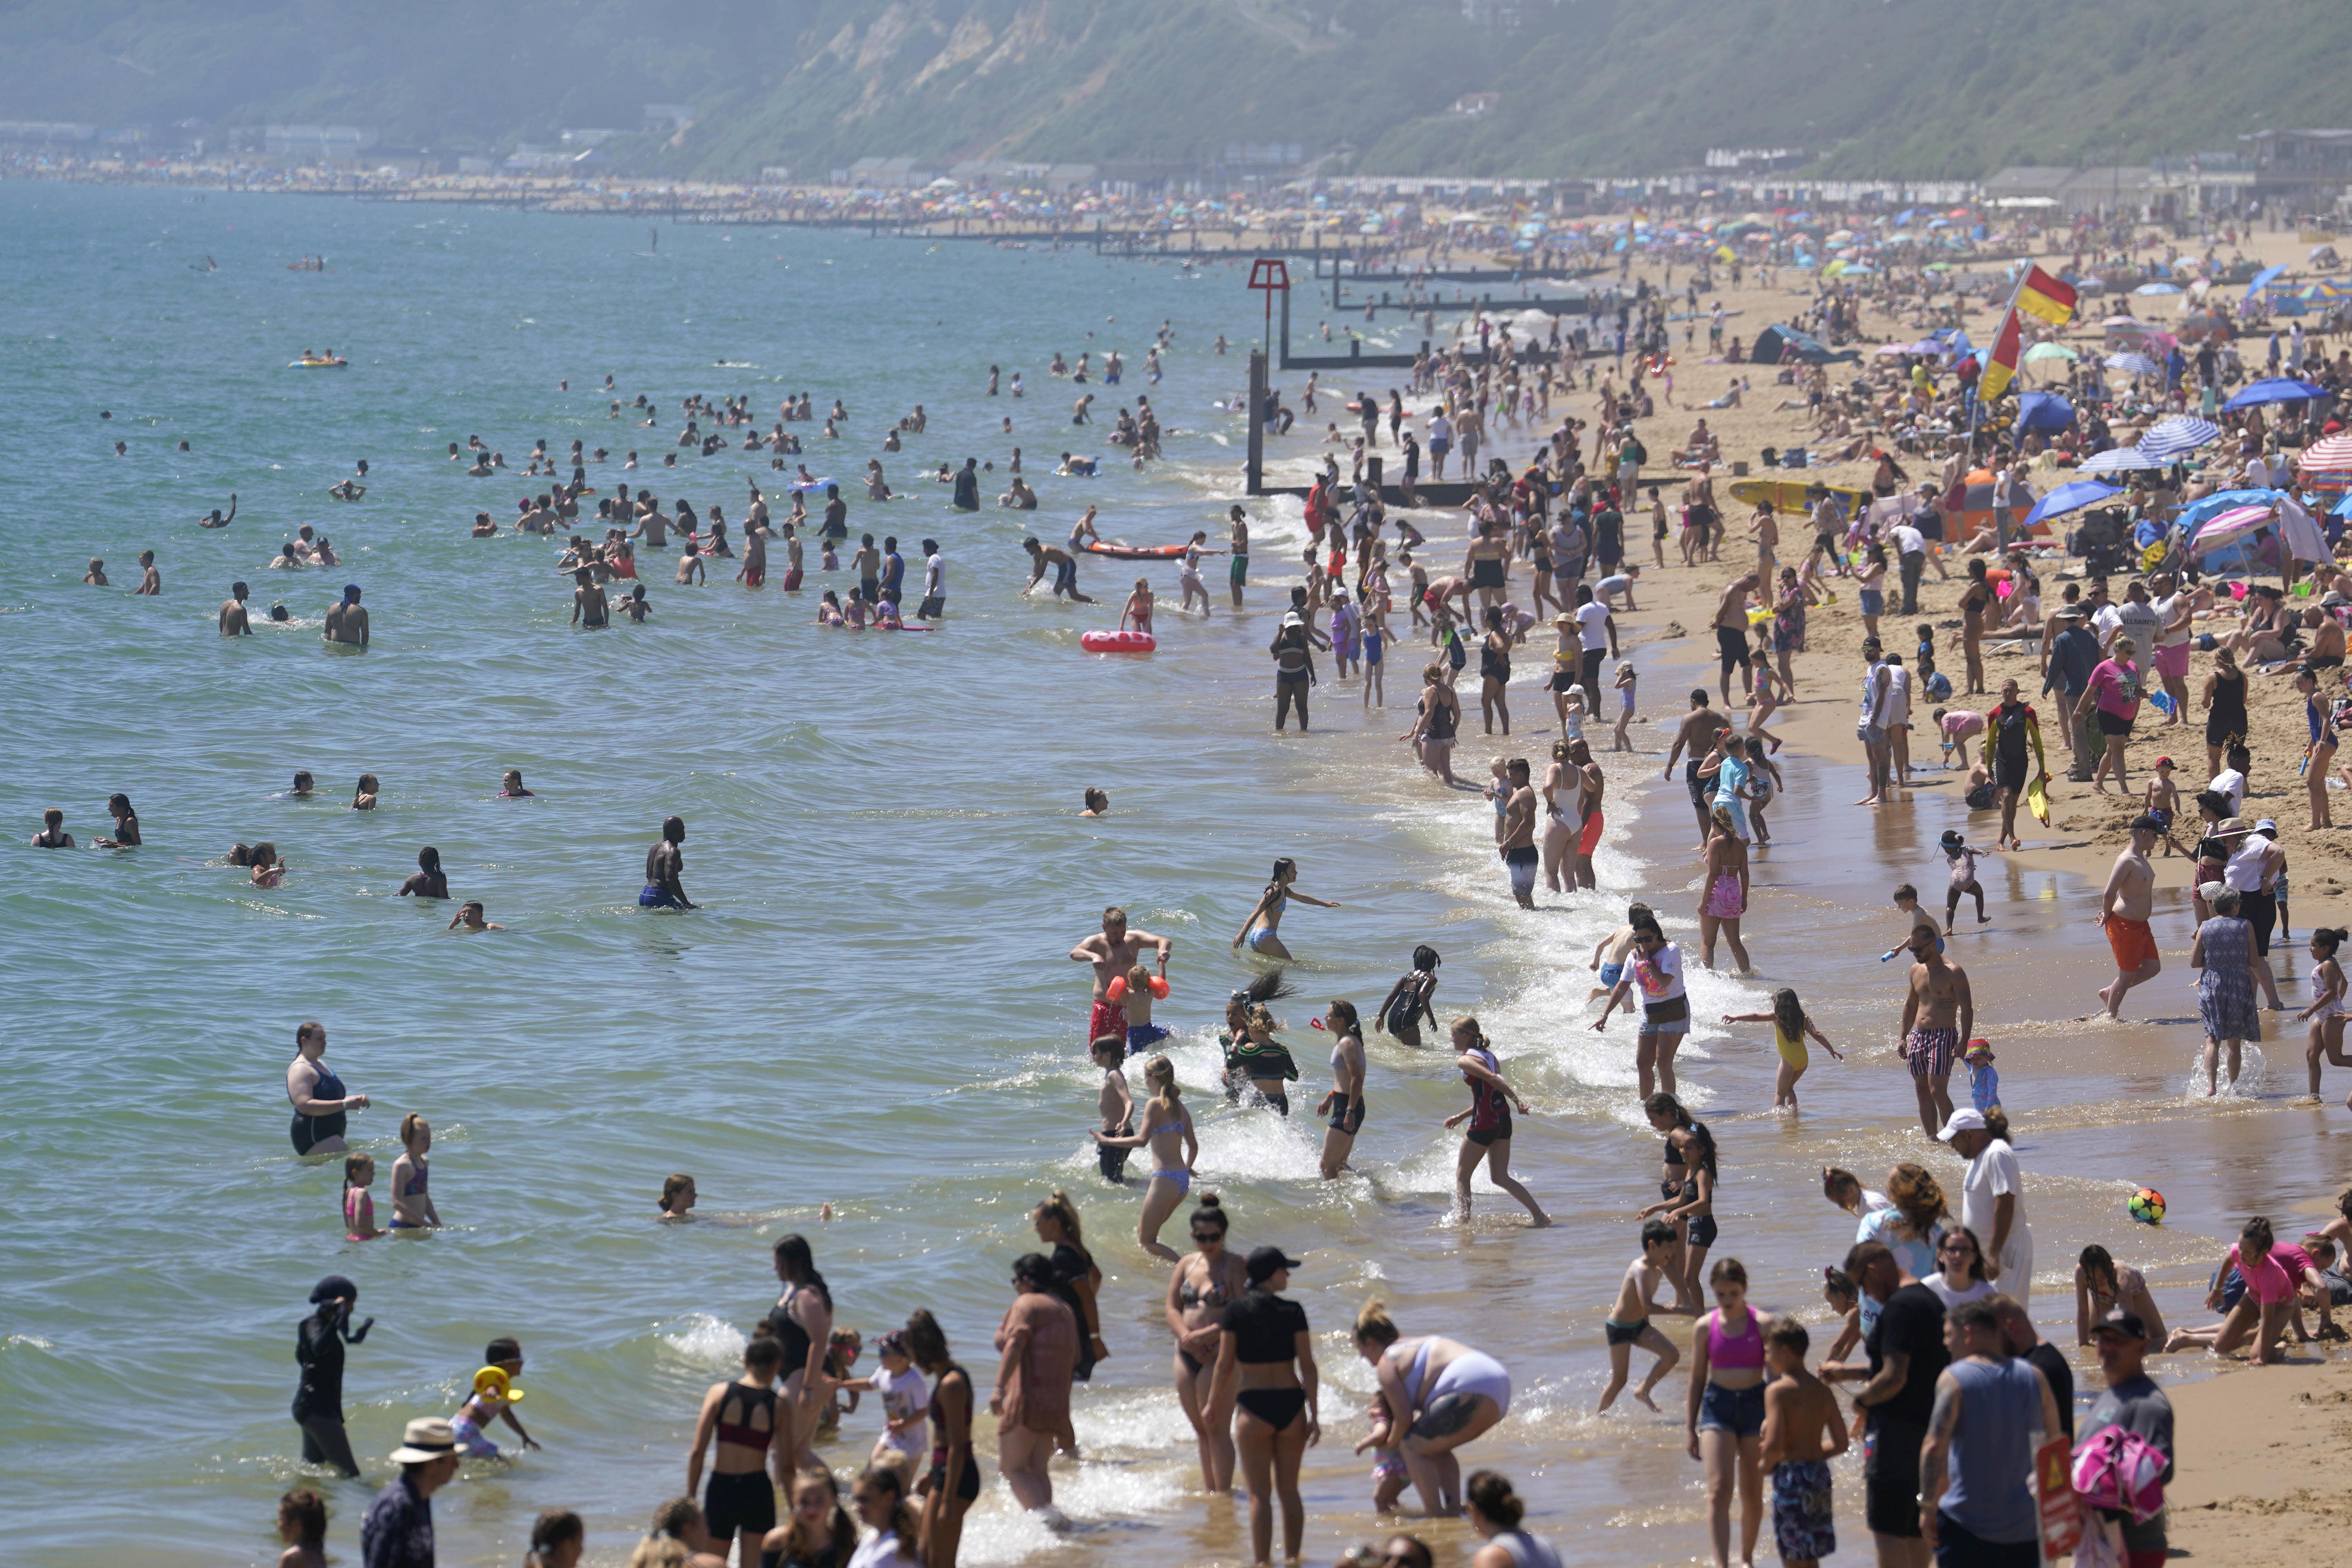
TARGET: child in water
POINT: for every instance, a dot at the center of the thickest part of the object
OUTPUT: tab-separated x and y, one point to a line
493	1398
1136	997
412	1205
1136	614
1984	1081
1790	1028
358	1205
1625	685
905	1402
303	1526
1963	860
1117	1106
268	870
1389	1473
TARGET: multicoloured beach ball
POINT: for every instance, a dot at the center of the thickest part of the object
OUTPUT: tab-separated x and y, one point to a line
2145	1205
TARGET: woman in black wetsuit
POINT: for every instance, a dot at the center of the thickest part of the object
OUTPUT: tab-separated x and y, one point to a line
952	1483
1267	1386
318	1351
318	1095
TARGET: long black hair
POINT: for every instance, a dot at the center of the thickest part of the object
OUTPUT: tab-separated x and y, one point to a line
798	1264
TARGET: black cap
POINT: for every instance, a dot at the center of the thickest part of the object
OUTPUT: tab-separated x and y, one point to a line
2120	1321
1265	1262
334	1286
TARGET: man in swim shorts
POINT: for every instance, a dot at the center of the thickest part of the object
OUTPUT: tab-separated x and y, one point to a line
1112	952
1937	1014
1731	635
1518	834
2124	909
664	862
1628	1323
1065	569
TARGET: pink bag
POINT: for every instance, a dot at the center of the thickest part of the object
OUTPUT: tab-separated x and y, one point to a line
2121	1470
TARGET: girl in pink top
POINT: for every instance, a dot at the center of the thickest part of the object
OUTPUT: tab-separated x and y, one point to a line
2260	1314
358	1205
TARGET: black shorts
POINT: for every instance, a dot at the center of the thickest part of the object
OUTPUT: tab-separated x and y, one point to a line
2260	911
2008	774
1732	646
1959	1547
1500	1131
2111	724
1703	1231
1620	1333
967	1486
1563	677
1702	791
1890	1478
746	1501
1347	1114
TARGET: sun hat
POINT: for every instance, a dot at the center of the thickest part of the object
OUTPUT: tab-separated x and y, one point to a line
424	1440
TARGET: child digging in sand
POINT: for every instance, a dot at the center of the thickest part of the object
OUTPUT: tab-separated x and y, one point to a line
1629	1324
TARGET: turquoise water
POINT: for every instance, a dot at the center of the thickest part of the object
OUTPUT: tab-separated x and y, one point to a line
872	1011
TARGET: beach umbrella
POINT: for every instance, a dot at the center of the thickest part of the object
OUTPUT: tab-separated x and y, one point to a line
1893	350
2157	289
2274	389
2228	527
2197	513
2326	465
2261	280
2040	352
2119	460
2043	411
2071	497
2178	435
2133	364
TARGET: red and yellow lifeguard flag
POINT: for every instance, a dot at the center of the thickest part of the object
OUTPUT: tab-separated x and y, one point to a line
2001	364
2046	297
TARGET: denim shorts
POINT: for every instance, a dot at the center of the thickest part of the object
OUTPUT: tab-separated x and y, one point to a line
1739	1411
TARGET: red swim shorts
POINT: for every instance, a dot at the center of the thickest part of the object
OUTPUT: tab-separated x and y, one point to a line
1108	1018
2133	942
1591	835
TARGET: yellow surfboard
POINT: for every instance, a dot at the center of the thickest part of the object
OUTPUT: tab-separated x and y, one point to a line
2037	800
1790	495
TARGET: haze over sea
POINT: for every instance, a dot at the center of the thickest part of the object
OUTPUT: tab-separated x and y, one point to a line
873	1010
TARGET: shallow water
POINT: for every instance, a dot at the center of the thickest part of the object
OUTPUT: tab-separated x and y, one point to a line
874	1010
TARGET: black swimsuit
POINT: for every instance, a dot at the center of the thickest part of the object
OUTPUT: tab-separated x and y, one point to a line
310	1131
1265	1330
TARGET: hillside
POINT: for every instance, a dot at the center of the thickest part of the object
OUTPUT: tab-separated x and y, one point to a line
1586	87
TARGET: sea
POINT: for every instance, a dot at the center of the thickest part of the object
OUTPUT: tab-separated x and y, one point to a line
871	1033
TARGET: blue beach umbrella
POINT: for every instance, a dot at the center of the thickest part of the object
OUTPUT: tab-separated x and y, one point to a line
2069	498
2261	280
2274	389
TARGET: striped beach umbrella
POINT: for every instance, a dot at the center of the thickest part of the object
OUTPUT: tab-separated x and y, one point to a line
2228	527
2326	465
2119	460
2178	436
2133	364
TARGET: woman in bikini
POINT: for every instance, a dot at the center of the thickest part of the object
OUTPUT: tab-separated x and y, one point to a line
1345	1104
1265	1378
1407	1001
1262	930
952	1483
1166	1129
1726	900
739	1417
1198	1291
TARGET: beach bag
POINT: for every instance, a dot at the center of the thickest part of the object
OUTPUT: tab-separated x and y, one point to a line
2121	1470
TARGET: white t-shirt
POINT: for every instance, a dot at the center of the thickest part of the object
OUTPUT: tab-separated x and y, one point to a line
1992	1173
904	1398
2167	609
1898	694
1438	429
1909	540
934	577
2233	783
1952	1295
1659	978
1592	626
883	1551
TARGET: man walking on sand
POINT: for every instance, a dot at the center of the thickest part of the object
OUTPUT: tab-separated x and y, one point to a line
2123	914
1937	1014
1731	636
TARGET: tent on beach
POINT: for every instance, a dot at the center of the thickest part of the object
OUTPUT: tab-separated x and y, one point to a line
1781	344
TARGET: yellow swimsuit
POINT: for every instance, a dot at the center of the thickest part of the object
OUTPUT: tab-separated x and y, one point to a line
1791	1046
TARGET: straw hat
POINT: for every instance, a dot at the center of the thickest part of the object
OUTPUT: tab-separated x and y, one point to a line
424	1440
